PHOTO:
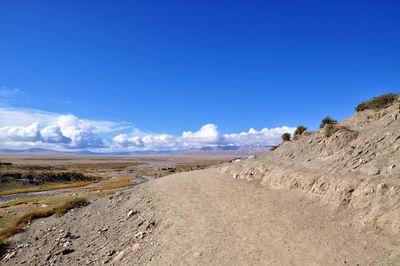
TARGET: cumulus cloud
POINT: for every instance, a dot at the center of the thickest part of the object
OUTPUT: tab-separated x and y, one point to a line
31	128
207	135
23	128
265	136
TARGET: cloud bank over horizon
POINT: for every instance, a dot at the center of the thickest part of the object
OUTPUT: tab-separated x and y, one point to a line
26	128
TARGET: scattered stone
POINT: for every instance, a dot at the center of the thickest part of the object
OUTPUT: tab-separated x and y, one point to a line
119	256
382	187
150	225
22	245
140	235
104	229
131	212
67	251
67	244
197	255
107	261
9	255
110	253
135	247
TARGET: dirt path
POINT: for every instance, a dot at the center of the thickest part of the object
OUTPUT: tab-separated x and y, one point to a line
201	218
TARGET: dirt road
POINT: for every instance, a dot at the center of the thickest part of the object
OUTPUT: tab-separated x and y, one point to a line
201	218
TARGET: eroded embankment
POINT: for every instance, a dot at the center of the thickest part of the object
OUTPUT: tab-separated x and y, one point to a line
355	167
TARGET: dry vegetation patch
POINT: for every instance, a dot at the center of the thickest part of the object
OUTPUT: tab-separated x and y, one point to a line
46	187
19	225
379	102
118	182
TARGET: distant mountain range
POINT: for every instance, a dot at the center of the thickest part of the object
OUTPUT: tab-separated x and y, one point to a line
208	150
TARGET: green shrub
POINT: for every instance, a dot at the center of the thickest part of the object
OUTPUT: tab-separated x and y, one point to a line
327	121
379	102
299	130
286	137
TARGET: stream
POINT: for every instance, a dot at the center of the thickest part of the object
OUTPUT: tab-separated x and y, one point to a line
136	180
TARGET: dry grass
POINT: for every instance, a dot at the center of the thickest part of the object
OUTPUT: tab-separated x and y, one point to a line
28	217
120	181
379	102
330	129
46	188
95	166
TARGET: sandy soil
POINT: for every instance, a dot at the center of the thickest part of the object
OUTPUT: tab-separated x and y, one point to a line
202	218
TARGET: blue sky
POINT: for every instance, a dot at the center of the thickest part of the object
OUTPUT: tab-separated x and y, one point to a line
166	67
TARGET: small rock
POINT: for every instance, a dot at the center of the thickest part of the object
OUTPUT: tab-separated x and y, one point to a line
150	225
197	255
120	255
9	255
67	244
131	212
140	235
104	229
382	187
135	247
22	245
67	251
107	261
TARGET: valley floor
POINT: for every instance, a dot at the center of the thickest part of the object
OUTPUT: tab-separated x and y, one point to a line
201	218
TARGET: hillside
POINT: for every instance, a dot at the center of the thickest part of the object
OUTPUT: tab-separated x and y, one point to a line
354	165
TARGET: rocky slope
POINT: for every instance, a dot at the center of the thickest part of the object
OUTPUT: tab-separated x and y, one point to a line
356	168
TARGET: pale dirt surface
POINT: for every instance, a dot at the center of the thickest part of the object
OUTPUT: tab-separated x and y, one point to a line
202	218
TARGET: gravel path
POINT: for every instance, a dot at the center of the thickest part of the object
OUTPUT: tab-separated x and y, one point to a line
201	218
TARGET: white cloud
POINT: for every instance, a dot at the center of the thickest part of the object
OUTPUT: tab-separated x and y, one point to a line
26	128
266	136
207	135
